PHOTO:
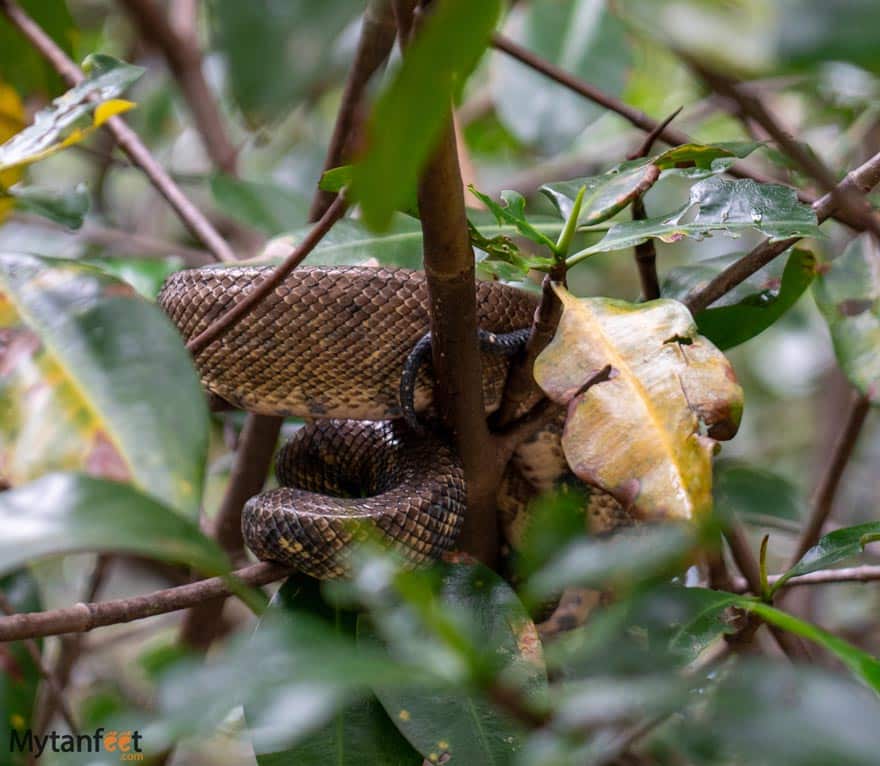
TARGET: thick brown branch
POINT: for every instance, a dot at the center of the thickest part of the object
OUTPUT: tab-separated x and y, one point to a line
242	308
823	502
862	179
84	617
185	62
127	139
635	117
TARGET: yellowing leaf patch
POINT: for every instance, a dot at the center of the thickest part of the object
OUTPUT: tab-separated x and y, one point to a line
645	435
11	121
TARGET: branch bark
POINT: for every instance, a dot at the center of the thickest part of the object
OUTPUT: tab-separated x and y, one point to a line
127	139
862	179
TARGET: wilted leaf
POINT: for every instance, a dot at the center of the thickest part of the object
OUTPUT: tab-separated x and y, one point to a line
832	549
637	434
724	206
268	207
409	115
848	294
67	207
757	304
71	117
69	512
584	37
19	674
94	378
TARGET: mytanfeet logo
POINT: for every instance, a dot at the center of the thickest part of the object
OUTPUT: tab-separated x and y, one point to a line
126	743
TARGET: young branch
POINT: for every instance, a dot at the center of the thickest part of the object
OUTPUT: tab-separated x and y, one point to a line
862	179
823	502
127	139
185	62
81	618
636	118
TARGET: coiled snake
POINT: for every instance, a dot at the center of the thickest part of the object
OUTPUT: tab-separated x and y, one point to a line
329	344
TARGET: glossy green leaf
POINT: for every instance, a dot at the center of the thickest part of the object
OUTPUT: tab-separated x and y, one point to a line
71	117
19	674
709	621
478	616
69	512
729	207
276	51
96	379
318	665
513	211
753	494
584	37
410	114
622	561
848	294
350	242
67	207
21	64
747	314
831	549
271	208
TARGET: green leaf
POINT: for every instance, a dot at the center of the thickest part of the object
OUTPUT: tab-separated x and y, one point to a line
707	624
350	242
699	160
751	493
831	549
730	207
71	117
19	674
501	249
513	211
438	720
623	561
68	512
146	275
848	294
323	656
21	64
606	194
335	179
584	37
410	114
271	208
96	379
67	207
276	51
758	303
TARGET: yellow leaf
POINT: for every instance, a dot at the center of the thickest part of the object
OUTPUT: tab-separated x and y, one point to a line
110	109
11	121
637	435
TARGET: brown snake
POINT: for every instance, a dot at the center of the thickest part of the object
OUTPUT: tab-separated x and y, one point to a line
329	344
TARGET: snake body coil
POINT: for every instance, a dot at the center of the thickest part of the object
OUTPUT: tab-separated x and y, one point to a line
331	343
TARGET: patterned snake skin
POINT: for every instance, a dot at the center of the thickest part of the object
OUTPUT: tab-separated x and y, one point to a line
328	343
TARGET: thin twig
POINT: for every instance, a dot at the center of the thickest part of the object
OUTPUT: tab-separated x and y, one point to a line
242	308
864	178
823	503
33	650
81	618
635	117
127	139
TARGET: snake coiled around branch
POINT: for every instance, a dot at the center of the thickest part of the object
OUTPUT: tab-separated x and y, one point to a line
329	344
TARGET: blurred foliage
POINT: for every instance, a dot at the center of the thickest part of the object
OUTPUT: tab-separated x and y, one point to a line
106	439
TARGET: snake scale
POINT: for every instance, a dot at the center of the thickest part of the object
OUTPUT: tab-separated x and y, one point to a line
329	345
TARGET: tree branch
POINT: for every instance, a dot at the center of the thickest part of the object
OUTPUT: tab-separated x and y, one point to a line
81	618
862	179
823	502
636	118
185	62
127	139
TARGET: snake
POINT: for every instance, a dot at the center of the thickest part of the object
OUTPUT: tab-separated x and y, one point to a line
330	345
